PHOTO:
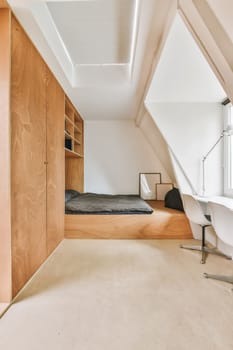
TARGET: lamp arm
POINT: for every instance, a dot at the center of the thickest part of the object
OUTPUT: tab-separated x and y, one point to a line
218	140
204	159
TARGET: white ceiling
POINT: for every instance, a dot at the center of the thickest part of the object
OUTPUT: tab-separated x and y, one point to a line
96	32
183	74
94	40
102	51
113	88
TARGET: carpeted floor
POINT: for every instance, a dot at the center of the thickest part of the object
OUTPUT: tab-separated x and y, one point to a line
122	295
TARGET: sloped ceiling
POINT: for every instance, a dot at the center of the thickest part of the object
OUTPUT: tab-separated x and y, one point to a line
99	50
104	52
183	74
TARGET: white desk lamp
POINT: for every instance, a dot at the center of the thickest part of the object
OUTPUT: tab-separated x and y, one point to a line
228	132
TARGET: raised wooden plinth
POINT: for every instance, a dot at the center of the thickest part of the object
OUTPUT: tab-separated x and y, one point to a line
163	223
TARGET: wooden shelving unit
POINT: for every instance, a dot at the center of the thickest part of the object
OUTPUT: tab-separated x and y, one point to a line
72	154
73	131
74	150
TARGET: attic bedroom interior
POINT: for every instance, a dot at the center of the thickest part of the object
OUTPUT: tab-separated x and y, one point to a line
116	158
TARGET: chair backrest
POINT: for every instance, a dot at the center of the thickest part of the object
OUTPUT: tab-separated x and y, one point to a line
194	210
222	221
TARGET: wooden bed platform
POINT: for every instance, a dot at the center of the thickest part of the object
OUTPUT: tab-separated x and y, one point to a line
163	223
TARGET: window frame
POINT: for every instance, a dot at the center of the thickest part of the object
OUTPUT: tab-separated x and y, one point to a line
228	151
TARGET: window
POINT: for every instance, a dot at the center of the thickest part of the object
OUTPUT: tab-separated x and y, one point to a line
228	150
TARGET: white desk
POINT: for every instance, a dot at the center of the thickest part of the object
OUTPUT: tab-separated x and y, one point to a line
226	201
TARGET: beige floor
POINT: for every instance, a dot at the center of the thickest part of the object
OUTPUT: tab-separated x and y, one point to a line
3	307
122	295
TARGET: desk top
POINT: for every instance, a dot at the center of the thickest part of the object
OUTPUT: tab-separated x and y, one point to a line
228	202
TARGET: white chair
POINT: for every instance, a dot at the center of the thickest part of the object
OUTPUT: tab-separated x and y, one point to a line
195	214
222	221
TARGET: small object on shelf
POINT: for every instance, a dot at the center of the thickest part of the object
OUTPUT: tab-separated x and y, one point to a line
68	144
73	131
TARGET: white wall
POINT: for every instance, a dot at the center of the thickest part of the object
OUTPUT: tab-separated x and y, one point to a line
183	74
115	153
157	142
190	130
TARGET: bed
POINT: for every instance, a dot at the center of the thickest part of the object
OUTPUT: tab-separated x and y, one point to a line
104	204
115	224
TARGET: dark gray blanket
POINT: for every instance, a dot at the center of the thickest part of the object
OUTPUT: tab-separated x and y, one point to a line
92	203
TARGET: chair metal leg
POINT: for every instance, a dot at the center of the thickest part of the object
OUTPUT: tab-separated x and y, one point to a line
217	252
203	249
191	247
203	253
197	248
206	250
228	279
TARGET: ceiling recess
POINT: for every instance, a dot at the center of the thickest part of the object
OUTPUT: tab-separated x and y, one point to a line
95	32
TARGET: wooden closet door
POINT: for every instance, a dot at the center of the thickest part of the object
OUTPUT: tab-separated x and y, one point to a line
28	159
5	209
56	162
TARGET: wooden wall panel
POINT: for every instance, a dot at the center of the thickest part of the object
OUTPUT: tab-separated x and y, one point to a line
3	4
75	174
5	212
28	145
56	162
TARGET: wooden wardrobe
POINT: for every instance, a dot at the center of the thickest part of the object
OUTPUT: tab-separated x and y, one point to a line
32	159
